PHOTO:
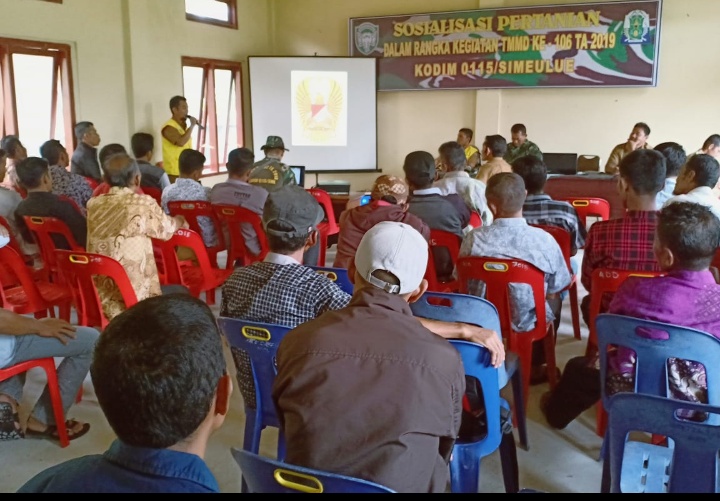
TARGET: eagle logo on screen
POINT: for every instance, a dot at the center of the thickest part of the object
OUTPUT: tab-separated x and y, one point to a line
319	104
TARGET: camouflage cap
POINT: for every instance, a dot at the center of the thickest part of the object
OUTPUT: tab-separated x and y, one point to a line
390	186
274	142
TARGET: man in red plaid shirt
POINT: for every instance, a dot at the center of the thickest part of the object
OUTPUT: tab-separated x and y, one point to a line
627	243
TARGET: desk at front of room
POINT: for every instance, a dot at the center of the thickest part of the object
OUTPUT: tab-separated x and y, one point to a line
590	184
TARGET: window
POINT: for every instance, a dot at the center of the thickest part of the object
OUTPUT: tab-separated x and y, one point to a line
36	93
217	12
214	93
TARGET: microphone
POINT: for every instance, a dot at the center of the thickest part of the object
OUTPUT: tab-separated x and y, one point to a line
201	127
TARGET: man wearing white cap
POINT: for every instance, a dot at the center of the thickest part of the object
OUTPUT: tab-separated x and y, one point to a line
366	390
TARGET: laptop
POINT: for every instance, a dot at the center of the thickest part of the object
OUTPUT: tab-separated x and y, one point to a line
299	171
561	164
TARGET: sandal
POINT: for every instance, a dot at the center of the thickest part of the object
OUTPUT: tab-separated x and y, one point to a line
9	423
52	433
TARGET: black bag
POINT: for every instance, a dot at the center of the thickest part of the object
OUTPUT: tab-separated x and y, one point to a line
473	427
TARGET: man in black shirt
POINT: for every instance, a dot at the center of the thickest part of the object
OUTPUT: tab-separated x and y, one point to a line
85	158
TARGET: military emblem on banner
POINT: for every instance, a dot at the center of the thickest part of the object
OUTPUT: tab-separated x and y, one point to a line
367	38
636	28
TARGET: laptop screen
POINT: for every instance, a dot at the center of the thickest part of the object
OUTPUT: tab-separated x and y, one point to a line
561	163
299	171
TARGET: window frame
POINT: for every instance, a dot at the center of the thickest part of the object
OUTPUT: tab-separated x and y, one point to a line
217	165
62	70
231	23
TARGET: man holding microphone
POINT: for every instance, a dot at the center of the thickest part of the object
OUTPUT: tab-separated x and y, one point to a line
177	136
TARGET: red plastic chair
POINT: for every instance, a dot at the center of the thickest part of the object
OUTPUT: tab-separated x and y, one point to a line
475	220
48	365
498	274
606	281
199	276
589	206
450	241
78	270
562	237
156	193
25	296
43	229
232	217
191	210
92	182
329	227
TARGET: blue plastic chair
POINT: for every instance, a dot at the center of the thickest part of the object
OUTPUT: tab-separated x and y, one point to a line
689	465
267	476
253	346
337	275
652	355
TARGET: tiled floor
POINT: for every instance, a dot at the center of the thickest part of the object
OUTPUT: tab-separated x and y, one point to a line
557	461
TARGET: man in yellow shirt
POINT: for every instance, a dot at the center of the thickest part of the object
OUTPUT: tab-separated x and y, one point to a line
176	136
472	154
636	141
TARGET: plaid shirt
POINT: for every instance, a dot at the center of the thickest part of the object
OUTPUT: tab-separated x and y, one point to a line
280	292
541	209
621	244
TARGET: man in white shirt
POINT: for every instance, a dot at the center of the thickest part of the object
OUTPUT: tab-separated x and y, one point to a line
675	158
696	181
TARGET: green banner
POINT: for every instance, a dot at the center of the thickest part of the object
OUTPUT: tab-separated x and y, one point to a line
610	44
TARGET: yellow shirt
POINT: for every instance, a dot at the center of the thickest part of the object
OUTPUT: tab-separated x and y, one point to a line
171	152
470	151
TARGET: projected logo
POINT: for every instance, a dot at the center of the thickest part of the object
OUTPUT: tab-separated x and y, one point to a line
319	101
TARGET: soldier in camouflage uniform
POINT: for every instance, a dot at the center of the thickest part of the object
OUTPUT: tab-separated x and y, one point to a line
271	173
520	146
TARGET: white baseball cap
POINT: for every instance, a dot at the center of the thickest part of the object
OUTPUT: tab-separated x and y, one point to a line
394	247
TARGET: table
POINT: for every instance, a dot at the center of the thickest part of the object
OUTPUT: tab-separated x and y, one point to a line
596	185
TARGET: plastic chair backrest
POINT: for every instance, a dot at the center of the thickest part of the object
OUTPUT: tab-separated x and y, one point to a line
690	465
442	239
652	354
172	268
48	232
156	193
15	272
233	216
589	206
588	163
268	476
323	198
78	269
716	260
562	237
191	210
475	220
13	241
607	281
92	182
253	346
337	275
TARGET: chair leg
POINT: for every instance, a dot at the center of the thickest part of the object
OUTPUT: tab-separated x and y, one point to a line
464	470
605	482
56	399
601	418
210	297
519	408
575	311
551	364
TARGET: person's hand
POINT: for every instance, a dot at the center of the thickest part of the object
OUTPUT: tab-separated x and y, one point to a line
54	327
4	232
490	340
631	145
193	121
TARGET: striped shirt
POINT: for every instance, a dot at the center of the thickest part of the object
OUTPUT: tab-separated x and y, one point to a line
541	209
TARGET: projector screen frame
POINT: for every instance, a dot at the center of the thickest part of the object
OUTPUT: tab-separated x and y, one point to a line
310	171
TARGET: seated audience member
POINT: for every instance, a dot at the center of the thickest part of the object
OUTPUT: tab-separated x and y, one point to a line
472	154
457	181
711	147
493	150
675	158
388	202
16	153
121	225
9	201
696	181
238	191
34	175
65	183
446	213
271	173
327	400
520	145
85	157
636	141
687	236
106	152
539	208
626	243
187	187
143	148
280	290
25	338
161	380
510	237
